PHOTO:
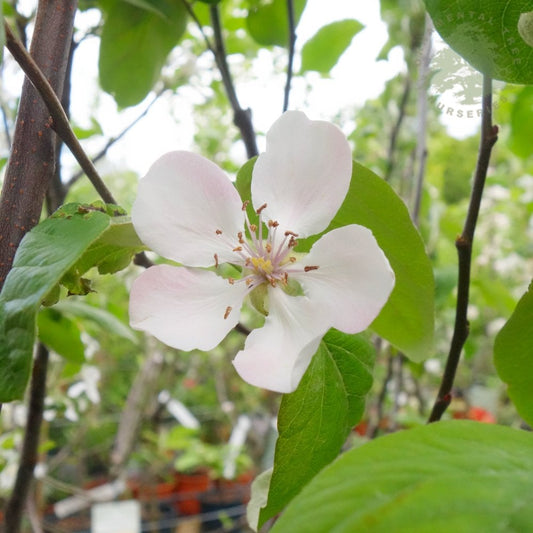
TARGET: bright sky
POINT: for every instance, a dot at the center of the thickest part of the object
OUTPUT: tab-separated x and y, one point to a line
356	78
169	125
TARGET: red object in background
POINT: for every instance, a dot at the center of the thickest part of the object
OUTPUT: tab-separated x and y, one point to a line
480	415
188	489
476	413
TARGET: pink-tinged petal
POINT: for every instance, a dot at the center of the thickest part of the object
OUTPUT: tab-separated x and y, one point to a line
185	308
181	203
353	280
304	174
276	356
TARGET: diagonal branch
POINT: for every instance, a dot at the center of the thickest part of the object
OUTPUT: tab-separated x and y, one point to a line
489	136
59	121
242	118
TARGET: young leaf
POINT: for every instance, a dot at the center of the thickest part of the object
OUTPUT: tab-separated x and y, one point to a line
135	44
61	335
268	22
43	257
79	310
522	124
314	421
513	349
447	476
324	49
47	254
487	35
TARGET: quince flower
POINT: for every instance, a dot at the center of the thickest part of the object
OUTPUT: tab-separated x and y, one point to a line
189	211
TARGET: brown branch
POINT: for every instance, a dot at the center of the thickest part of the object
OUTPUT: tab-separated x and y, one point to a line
242	118
489	136
59	120
31	163
30	445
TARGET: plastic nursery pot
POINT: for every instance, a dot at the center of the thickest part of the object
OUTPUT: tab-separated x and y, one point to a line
189	488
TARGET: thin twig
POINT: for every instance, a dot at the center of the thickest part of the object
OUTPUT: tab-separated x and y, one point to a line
196	20
30	445
489	136
373	429
60	121
396	128
241	117
113	140
292	41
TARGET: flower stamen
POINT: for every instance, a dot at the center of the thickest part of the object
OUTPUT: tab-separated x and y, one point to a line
228	311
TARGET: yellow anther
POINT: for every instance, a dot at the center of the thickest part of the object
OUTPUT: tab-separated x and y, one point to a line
228	311
268	247
264	266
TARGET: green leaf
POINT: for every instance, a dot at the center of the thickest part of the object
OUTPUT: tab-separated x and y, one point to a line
61	335
486	35
522	124
147	6
314	421
324	49
76	309
86	133
407	320
268	22
43	257
111	252
513	356
448	476
59	249
135	44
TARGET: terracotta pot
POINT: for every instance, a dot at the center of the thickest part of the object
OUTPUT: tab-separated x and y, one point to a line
189	487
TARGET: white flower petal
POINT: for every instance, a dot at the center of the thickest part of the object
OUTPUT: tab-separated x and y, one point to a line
304	175
184	307
277	355
354	278
181	203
